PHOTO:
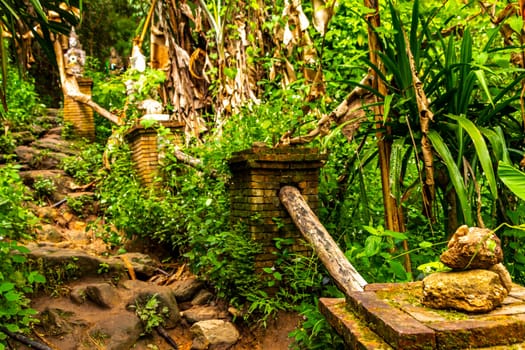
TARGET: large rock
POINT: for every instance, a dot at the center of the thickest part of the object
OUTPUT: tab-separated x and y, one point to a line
471	291
186	289
78	263
118	331
203	313
213	334
142	292
102	294
472	248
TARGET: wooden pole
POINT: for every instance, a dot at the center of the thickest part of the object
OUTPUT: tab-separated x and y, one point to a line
343	272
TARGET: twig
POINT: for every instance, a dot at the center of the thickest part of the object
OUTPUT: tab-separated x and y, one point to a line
59	203
25	340
162	332
193	162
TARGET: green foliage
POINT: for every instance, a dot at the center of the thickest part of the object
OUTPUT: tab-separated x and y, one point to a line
15	220
7	144
151	313
43	187
108	24
68	131
16	280
85	165
78	204
22	100
15	283
132	86
315	332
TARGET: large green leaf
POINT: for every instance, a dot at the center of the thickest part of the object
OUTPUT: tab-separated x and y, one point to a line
481	150
455	176
512	178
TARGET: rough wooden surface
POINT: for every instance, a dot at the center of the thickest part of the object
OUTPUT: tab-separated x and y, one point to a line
345	275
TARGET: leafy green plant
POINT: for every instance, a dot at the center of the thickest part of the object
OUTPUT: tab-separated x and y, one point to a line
78	204
7	144
44	187
85	165
15	220
16	279
68	131
151	313
22	100
315	332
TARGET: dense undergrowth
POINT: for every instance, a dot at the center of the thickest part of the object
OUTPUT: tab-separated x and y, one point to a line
17	280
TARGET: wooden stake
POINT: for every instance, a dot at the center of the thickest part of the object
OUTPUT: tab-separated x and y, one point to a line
342	271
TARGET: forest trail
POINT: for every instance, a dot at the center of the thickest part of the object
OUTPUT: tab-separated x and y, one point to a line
93	296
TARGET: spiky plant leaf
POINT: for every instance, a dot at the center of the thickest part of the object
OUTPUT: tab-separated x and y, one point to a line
481	150
454	173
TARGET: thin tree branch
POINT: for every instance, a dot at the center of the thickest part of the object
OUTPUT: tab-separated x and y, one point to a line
25	340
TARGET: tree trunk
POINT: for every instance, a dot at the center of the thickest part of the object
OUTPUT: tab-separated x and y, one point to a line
343	272
393	211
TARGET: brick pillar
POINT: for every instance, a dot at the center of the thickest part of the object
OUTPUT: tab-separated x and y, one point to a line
79	114
258	175
144	148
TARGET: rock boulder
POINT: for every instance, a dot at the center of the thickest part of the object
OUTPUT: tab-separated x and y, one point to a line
471	291
472	248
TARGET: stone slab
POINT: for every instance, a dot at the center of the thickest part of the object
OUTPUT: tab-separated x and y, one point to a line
396	327
354	332
392	314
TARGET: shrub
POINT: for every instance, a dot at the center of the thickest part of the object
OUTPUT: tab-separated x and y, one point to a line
16	280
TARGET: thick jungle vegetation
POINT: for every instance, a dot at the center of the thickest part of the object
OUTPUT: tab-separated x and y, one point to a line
419	105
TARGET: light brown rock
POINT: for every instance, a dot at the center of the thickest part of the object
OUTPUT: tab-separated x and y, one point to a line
472	248
470	291
203	313
213	333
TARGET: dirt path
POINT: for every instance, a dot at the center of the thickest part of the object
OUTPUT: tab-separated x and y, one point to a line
91	296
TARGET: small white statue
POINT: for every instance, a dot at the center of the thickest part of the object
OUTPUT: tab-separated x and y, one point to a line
75	57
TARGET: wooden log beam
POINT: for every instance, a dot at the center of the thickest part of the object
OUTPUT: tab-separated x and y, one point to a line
342	271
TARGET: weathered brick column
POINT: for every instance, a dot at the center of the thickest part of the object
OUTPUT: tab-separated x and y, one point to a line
79	114
144	148
258	175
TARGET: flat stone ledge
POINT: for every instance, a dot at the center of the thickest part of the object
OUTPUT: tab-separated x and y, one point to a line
391	316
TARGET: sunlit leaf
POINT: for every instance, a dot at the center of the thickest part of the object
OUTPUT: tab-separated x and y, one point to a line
513	178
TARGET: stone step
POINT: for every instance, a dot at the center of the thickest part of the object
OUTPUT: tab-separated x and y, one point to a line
391	315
